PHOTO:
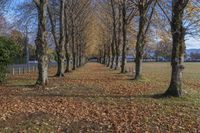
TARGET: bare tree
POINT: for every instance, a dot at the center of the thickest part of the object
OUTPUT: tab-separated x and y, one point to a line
128	13
41	43
60	43
181	25
114	39
146	9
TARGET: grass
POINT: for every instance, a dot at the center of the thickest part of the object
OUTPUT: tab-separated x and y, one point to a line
97	99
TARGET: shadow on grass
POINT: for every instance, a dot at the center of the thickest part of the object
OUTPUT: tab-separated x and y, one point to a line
93	96
86	126
48	122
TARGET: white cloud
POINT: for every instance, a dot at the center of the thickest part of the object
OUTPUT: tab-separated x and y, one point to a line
193	43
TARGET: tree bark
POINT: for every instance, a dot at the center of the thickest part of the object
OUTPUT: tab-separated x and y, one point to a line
67	53
178	36
41	44
140	42
124	31
114	39
108	57
119	38
139	53
73	49
144	24
113	55
104	54
67	61
61	47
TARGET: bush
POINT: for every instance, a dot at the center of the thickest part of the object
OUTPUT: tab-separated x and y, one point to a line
8	50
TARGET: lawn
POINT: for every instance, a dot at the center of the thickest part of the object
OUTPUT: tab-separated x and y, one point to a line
97	99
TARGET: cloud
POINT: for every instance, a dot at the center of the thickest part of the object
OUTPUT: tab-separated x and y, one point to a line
192	43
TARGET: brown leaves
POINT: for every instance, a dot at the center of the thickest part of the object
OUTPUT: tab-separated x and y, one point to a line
95	99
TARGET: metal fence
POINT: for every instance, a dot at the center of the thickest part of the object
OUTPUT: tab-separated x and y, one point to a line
17	69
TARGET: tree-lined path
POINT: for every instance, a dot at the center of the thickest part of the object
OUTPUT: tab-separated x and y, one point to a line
144	78
95	98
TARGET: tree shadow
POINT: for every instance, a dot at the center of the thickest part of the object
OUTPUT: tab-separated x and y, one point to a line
86	126
93	96
31	86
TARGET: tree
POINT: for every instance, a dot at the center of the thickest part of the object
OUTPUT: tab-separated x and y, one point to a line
114	34
184	21
163	49
119	35
77	16
128	13
41	43
146	9
60	43
178	36
20	40
8	50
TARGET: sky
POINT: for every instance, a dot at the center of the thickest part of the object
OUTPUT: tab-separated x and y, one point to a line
193	43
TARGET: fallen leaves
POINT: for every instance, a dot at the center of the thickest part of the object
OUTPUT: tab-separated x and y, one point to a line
95	99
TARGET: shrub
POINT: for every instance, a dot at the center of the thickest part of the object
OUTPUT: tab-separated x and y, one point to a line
8	50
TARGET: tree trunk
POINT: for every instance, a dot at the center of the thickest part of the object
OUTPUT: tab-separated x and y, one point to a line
104	54
61	47
60	44
67	54
138	65
41	44
77	55
113	55
117	61
114	38
108	57
140	44
80	57
67	62
178	36
61	64
73	50
119	37
74	61
124	31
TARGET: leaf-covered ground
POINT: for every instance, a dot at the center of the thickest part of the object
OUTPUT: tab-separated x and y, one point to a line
97	99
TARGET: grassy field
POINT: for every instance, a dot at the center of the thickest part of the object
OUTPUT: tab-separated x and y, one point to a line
97	99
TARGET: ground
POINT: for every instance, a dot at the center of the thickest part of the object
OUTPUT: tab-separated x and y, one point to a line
97	99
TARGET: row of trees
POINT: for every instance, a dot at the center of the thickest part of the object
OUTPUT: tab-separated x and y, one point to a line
63	23
181	17
68	20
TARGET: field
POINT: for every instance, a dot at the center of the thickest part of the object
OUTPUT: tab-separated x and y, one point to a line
97	99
